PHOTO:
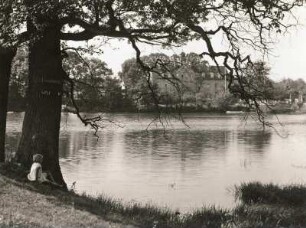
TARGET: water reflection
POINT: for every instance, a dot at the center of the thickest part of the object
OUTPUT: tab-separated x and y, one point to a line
11	141
71	143
191	145
255	140
180	167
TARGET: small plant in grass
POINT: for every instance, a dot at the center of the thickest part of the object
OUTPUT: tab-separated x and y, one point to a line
208	217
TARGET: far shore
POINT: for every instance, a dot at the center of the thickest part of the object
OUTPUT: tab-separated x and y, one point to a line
182	112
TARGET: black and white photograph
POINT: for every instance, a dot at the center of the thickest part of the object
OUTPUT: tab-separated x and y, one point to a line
152	113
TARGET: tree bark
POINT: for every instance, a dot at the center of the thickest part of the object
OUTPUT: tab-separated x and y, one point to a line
41	125
6	58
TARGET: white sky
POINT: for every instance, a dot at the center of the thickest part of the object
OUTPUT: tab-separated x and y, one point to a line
288	59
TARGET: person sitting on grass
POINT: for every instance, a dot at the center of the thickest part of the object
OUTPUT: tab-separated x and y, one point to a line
36	173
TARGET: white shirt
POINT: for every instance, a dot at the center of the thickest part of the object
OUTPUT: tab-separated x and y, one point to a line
36	167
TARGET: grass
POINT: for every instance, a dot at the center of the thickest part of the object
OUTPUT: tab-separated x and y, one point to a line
146	216
150	216
292	195
261	205
270	205
208	217
265	215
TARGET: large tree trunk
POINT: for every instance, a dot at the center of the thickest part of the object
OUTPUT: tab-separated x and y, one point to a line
6	58
41	125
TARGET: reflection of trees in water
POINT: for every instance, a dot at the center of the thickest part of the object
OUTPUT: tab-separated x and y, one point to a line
72	143
186	144
12	141
256	140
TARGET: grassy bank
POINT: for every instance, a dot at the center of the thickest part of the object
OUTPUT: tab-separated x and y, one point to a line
269	205
70	207
25	204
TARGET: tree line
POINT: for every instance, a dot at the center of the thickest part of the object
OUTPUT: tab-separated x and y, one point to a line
97	90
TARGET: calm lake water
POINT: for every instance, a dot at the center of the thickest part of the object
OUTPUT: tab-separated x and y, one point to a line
179	167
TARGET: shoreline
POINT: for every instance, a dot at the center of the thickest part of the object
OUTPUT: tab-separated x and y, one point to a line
224	112
260	205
